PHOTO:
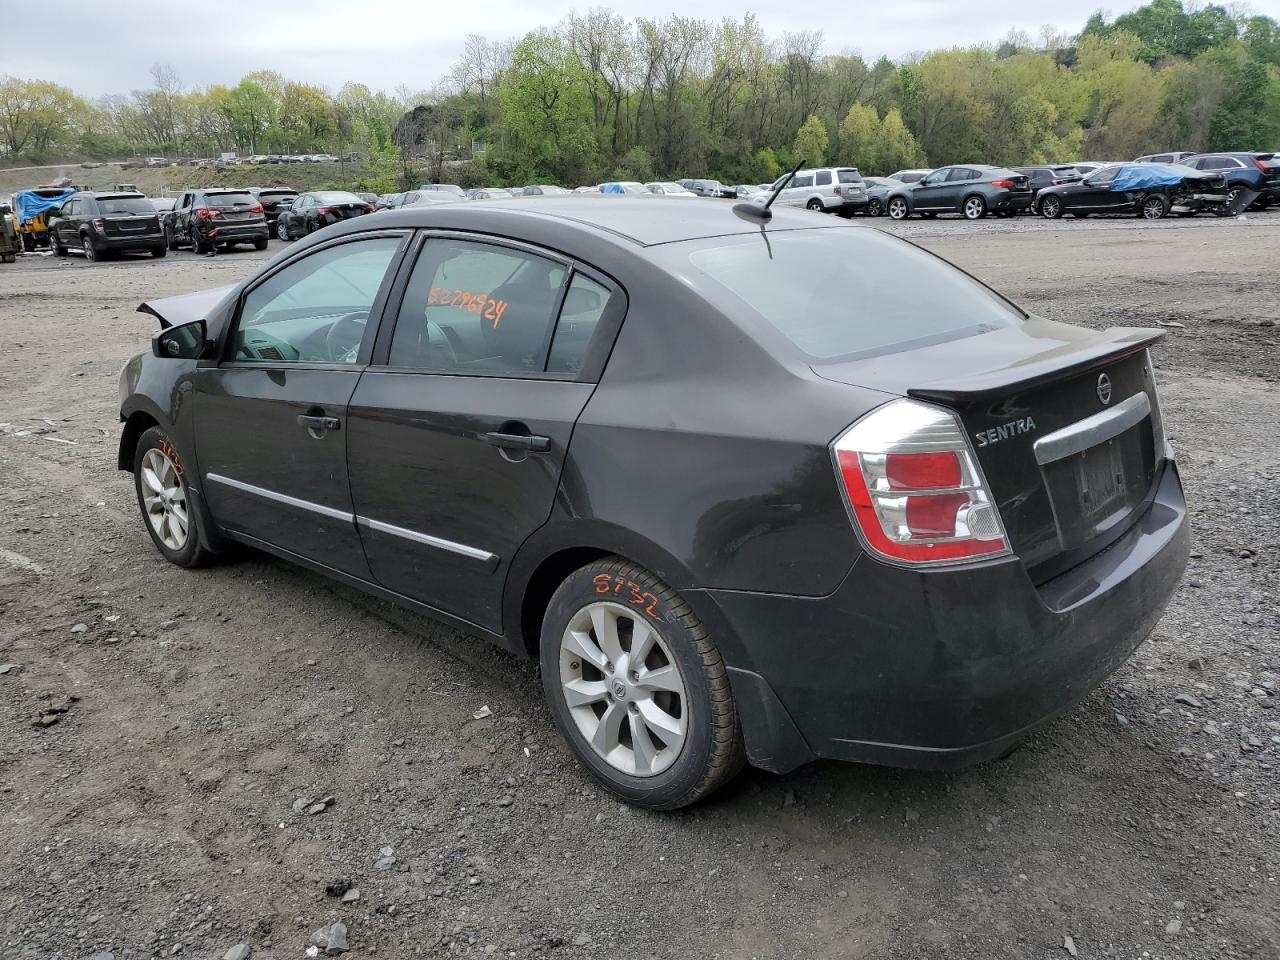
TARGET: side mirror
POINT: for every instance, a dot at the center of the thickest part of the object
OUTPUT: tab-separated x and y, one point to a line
185	342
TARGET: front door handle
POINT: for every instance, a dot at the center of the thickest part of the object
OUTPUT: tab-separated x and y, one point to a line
517	441
319	423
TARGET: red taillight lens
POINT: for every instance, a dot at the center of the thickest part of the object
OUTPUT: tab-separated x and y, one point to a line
1265	168
914	488
256	208
1002	184
324	211
370	208
836	188
204	213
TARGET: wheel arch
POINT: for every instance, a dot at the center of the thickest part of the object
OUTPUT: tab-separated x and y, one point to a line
135	425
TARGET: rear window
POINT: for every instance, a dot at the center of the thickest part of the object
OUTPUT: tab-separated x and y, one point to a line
224	200
878	294
125	205
337	196
849	176
277	193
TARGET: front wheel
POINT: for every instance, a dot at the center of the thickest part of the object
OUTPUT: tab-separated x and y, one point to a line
637	687
898	209
167	509
975	208
58	249
1050	208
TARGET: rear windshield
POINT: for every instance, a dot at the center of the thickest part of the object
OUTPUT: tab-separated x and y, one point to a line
849	176
878	294
337	196
223	200
277	193
125	205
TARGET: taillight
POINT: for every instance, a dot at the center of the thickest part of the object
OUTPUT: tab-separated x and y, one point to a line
256	208
324	210
1261	166
370	208
1002	184
99	224
836	188
914	488
204	213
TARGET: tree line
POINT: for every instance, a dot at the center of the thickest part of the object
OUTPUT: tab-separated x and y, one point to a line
601	97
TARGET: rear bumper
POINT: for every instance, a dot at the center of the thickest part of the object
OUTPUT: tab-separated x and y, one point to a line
1013	202
950	667
142	241
247	231
847	204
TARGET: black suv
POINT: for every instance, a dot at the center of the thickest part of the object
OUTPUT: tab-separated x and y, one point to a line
103	223
203	219
271	198
1047	176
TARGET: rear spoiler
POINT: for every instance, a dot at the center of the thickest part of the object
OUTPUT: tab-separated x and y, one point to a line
1041	368
175	311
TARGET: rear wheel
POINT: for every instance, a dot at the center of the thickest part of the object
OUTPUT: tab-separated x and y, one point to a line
875	208
815	204
282	229
974	208
91	251
1050	207
637	687
199	244
260	243
159	252
1154	207
898	209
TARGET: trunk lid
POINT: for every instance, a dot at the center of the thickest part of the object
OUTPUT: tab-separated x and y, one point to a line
1064	423
130	225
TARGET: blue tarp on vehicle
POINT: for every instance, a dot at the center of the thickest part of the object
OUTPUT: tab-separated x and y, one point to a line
1148	176
612	188
31	204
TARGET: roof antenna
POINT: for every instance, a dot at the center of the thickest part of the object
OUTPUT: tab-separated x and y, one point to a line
762	214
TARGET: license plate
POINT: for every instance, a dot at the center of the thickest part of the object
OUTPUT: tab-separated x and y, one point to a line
1099	474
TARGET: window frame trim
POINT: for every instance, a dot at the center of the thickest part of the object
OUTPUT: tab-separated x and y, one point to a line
376	310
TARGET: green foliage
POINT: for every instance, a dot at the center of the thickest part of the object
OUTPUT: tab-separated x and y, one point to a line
636	164
812	142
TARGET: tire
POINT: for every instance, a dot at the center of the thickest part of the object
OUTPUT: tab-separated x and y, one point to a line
171	239
692	702
29	242
815	205
163	502
91	251
974	207
875	208
1154	207
1233	190
1050	207
282	229
260	243
58	249
898	208
159	252
198	245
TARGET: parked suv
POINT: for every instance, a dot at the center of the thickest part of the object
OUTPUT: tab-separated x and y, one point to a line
826	190
203	219
1048	176
102	223
270	198
973	190
1244	171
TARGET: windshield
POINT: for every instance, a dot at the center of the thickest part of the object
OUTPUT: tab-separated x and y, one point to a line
131	205
893	296
337	196
225	200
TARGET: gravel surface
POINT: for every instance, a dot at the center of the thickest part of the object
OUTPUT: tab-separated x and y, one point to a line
250	760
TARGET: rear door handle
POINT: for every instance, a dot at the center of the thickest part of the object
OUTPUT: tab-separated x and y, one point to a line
319	423
517	441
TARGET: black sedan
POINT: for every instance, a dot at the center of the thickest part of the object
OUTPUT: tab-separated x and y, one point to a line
971	190
1147	190
736	518
310	211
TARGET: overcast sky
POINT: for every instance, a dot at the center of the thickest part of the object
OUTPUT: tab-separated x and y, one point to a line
98	48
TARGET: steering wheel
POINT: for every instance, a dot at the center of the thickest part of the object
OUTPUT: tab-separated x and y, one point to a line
352	329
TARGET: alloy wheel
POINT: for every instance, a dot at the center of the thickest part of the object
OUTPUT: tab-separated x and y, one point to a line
1153	208
898	209
1050	207
623	688
974	208
165	499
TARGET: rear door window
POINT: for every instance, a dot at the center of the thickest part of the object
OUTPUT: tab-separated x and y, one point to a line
804	180
822	178
474	307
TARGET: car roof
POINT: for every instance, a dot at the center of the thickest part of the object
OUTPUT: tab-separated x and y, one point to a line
645	221
113	194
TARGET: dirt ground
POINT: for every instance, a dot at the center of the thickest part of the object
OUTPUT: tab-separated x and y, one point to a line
158	815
